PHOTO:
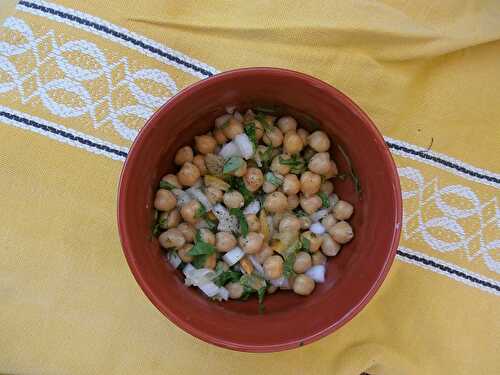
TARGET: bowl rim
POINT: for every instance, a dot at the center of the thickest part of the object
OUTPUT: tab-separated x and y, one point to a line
164	308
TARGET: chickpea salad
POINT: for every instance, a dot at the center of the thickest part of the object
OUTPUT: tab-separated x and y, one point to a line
252	208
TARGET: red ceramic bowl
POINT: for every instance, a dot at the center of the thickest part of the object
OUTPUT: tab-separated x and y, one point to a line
353	276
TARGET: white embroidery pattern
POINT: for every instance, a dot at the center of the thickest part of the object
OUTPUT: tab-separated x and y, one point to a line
428	196
76	80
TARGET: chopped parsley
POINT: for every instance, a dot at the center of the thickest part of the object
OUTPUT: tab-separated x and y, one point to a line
200	251
324	199
288	265
262	119
306	244
200	212
242	220
296	163
233	164
167	185
251	133
238	184
273	179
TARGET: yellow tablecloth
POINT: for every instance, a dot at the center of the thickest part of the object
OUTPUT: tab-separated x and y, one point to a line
78	78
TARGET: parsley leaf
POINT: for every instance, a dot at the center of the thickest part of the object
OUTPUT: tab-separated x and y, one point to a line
233	164
242	220
200	212
297	164
324	199
262	119
167	185
306	244
227	277
157	224
261	293
273	179
250	131
299	212
200	247
238	184
288	265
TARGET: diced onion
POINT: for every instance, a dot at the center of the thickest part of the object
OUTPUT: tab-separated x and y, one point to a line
252	208
245	145
227	222
182	197
188	269
230	149
223	294
233	256
200	197
210	289
281	282
317	273
257	267
318	215
317	228
199	277
174	259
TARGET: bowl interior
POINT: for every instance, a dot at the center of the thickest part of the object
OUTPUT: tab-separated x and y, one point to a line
352	277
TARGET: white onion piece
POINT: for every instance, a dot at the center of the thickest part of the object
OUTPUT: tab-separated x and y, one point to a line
223	294
252	208
198	183
333	199
233	256
199	277
227	222
174	259
188	269
317	273
318	215
197	194
229	150
245	145
257	267
182	197
210	289
279	282
317	228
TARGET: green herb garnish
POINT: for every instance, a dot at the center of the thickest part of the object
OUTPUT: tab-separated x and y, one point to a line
233	164
296	163
299	212
167	185
212	224
227	277
251	133
306	244
261	294
200	212
288	266
273	179
352	173
324	199
262	119
238	184
242	220
201	247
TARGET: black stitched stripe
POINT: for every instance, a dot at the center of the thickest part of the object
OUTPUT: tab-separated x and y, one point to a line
448	270
62	133
425	155
117	34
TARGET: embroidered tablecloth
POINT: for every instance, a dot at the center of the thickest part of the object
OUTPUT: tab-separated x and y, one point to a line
79	78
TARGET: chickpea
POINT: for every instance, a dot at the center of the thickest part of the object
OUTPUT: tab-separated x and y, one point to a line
319	141
172	180
303	262
210	261
291	184
183	155
311	204
264	253
213	194
279	168
342	232
165	200
268	187
221	120
314	241
188	231
205	144
287	123
199	161
293	201
172	238
233	128
320	163
332	171
252	243
220	137
170	219
276	202
326	187
273	137
292	143
241	171
235	290
253	222
305	222
303	134
303	285
188	211
225	241
329	247
273	267
342	210
189	174
310	183
328	222
233	199
207	236
183	253
253	179
318	258
289	223
276	219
